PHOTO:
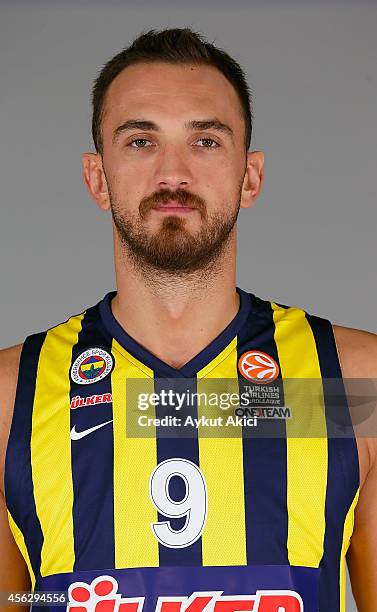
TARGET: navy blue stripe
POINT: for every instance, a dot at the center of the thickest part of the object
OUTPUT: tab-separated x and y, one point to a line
343	466
19	492
92	461
179	443
232	581
264	456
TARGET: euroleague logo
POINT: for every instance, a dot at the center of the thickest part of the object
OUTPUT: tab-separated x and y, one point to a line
257	366
91	366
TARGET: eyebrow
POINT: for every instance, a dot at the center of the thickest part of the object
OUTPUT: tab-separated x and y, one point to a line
151	126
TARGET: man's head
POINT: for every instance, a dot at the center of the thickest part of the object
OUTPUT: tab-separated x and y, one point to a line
172	121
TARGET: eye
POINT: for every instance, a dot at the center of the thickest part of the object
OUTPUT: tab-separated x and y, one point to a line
138	140
209	140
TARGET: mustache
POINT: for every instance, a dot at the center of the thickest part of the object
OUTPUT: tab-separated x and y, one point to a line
162	197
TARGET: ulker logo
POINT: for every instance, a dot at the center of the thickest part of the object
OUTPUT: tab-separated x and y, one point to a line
257	366
102	596
91	366
90	400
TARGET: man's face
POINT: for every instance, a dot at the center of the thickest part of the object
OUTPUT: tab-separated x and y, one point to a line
173	182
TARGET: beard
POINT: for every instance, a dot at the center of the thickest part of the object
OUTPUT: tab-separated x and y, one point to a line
173	249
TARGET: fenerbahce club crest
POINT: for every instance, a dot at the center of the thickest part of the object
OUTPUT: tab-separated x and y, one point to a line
91	366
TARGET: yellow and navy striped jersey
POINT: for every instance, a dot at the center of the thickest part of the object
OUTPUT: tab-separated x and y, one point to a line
239	522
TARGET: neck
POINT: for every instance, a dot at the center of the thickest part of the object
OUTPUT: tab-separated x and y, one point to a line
176	317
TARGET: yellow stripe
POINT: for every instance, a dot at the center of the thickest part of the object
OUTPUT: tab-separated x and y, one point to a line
51	448
20	541
307	454
134	462
347	532
224	536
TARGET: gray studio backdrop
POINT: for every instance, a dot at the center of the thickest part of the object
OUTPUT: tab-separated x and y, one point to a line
310	238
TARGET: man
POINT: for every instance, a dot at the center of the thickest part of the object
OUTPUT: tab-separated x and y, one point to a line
243	522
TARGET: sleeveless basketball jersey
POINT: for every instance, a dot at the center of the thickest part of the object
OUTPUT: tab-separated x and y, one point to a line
161	523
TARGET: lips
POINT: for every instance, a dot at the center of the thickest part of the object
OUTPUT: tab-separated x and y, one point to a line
174	207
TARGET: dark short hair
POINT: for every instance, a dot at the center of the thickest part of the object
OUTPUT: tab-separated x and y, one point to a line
175	46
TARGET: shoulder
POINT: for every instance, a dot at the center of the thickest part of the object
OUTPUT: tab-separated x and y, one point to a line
9	366
357	350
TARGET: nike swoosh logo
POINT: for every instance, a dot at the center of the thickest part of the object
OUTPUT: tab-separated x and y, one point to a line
77	435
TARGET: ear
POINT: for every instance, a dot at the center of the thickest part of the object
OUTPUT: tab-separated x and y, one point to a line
253	180
95	179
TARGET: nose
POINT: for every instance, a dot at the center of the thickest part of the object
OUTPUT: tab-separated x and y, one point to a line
172	170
